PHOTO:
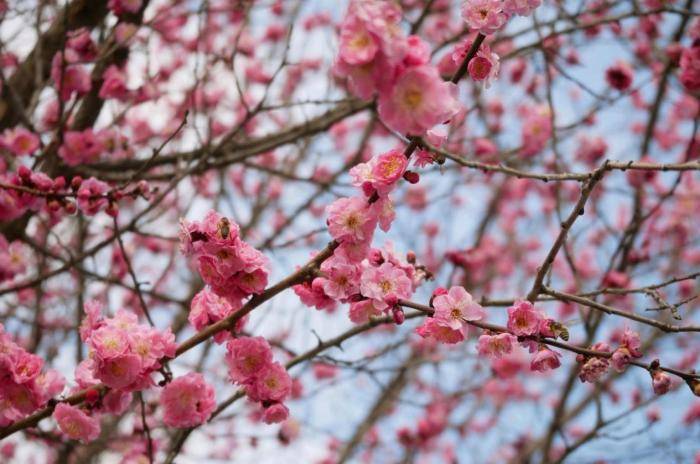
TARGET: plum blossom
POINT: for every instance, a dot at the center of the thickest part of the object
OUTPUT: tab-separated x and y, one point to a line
545	360
350	220
496	345
187	401
523	319
455	307
432	328
661	382
75	423
385	284
485	16
629	348
124	353
232	268
419	100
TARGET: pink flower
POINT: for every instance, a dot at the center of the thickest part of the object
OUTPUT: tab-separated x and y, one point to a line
119	372
545	359
271	384
275	413
432	328
187	401
362	311
380	174
69	78
419	100
109	342
231	267
485	16
91	196
324	371
536	130
207	308
75	423
455	307
496	346
246	357
340	280
520	7
523	320
313	294
629	348
357	45
661	382
114	84
690	66
620	76
349	219
593	367
484	66
385	283
20	141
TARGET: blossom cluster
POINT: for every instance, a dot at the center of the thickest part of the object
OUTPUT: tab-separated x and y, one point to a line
123	353
488	16
29	190
251	365
453	308
231	267
376	57
530	325
23	386
594	367
371	280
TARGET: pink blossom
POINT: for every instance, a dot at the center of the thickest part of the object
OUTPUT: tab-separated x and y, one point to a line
484	66
119	372
349	219
536	130
362	311
455	307
207	308
485	16
620	76
271	384
594	367
661	382
80	147
275	413
91	196
313	294
232	268
545	360
69	78
357	45
520	7
20	141
690	66
114	84
187	401
496	346
75	423
383	283
246	357
629	348
381	173
523	320
340	280
419	100
432	328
